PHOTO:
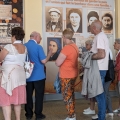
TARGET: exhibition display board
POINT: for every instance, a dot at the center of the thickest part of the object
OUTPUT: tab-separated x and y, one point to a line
78	16
11	15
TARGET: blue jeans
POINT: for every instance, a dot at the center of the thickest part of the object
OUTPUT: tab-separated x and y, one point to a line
101	101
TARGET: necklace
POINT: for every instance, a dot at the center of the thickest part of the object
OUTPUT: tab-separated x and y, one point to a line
17	41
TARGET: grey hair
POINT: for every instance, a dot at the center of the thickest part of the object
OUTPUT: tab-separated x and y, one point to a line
89	42
97	24
33	34
117	40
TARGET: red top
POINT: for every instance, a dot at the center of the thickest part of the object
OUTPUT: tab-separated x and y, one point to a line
117	66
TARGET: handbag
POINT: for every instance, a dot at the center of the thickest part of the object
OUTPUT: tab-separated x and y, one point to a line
28	67
110	75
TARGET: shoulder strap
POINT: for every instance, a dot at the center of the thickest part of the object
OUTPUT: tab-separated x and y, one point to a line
109	57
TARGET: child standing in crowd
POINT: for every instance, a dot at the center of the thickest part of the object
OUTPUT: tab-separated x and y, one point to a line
117	69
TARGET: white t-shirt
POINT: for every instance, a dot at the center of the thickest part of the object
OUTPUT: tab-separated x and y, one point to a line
101	42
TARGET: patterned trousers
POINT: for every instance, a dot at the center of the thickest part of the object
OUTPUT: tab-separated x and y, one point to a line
67	85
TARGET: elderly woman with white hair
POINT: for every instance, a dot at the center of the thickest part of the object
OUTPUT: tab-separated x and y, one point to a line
88	44
91	109
108	81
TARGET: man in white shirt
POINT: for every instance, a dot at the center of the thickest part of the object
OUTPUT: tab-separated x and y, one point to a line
101	49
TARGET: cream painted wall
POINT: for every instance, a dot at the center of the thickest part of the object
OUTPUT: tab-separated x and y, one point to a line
32	17
117	17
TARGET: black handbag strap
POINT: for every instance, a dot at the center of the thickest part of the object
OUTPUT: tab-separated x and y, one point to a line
109	57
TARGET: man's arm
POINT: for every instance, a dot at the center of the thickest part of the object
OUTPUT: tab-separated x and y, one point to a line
99	55
47	58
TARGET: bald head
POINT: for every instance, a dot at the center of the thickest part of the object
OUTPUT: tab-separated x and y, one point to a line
33	34
96	27
97	24
36	36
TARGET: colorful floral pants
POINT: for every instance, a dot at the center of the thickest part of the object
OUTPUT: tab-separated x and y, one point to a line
67	85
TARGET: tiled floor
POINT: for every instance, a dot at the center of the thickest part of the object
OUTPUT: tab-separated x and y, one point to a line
55	110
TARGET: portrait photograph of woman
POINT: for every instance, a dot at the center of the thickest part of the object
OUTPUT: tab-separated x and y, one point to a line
56	46
92	16
74	19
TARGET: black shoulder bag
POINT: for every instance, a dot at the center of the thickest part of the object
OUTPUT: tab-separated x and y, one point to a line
110	75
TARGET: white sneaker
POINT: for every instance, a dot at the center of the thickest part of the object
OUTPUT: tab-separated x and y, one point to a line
109	114
117	110
70	118
88	112
95	116
67	118
86	109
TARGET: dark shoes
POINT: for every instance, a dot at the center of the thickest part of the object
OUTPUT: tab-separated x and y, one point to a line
38	119
41	117
28	118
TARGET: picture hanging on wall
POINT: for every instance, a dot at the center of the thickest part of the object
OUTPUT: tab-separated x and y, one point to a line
78	16
11	15
56	45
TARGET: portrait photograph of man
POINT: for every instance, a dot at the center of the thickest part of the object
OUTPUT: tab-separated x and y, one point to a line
53	19
56	45
107	21
91	17
74	19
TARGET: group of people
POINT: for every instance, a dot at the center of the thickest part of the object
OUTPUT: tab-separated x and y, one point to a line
16	90
95	62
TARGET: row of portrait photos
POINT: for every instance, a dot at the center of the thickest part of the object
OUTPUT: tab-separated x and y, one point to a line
74	19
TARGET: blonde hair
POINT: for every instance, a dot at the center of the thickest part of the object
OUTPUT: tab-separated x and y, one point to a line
117	40
68	33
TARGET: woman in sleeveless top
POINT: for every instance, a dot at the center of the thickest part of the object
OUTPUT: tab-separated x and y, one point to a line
12	77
